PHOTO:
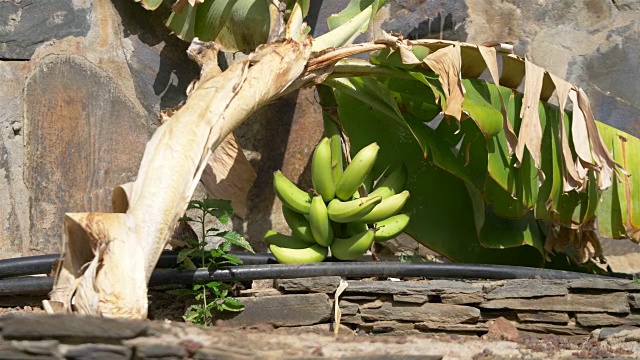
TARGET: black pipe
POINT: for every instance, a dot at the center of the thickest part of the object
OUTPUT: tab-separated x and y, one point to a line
361	270
36	265
42	285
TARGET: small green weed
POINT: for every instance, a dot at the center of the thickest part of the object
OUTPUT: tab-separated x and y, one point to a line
212	297
413	258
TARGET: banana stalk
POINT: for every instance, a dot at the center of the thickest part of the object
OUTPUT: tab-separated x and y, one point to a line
104	248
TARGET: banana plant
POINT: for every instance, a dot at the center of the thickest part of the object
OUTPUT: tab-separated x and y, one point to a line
487	166
514	177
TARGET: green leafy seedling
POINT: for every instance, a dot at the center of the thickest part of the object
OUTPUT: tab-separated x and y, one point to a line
213	297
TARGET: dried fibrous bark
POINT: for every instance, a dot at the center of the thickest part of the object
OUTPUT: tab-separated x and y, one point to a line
109	257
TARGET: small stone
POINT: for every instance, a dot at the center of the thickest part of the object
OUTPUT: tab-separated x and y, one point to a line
634	301
259	292
552	329
613	302
321	284
601	284
372	305
95	352
72	328
607	332
10	352
352	319
380	327
444	313
502	329
544	317
460	299
282	310
348	308
488	287
359	297
528	288
263	284
414	299
42	347
593	320
479	328
432	287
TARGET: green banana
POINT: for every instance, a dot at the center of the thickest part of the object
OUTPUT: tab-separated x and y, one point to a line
386	208
354	228
357	171
319	221
353	247
391	227
321	170
348	211
291	250
299	225
392	184
336	159
290	195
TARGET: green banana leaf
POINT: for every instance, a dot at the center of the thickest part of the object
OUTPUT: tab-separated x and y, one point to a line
353	9
496	200
242	25
348	24
236	25
619	212
440	205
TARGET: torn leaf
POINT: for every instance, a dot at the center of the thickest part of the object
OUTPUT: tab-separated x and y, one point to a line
530	134
229	175
490	59
447	63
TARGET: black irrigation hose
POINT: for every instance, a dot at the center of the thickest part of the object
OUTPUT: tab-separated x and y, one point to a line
35	265
42	285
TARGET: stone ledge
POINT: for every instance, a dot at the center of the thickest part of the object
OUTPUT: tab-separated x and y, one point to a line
282	310
565	307
614	303
374	307
72	329
320	284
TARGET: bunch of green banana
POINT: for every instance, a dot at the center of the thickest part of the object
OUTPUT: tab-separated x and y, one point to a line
338	214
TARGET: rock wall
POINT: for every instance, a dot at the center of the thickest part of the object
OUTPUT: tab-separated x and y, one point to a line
563	307
82	83
380	319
